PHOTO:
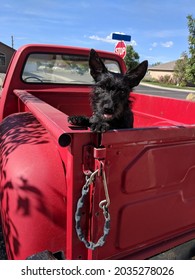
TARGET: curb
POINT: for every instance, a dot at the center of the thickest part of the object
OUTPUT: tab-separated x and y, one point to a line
167	88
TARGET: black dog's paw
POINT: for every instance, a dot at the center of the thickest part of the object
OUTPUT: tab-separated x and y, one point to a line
100	127
73	120
79	120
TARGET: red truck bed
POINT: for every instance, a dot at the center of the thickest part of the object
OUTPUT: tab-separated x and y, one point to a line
149	172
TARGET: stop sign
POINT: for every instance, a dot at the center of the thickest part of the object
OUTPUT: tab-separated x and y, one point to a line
120	49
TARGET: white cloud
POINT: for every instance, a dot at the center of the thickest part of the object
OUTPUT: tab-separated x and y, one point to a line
108	39
167	44
132	43
154	45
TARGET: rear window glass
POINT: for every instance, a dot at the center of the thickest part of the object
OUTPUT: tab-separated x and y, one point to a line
61	69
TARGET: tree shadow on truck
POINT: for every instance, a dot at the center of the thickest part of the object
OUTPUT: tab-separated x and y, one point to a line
19	197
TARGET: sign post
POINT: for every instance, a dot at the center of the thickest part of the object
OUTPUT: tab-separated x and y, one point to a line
120	47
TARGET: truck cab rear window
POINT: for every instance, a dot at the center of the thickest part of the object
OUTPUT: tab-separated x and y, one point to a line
61	69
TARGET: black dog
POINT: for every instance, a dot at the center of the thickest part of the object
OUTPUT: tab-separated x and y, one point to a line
110	101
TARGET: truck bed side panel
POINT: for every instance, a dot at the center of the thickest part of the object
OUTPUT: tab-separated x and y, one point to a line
151	187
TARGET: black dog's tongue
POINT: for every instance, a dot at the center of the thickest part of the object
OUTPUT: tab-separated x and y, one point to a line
107	116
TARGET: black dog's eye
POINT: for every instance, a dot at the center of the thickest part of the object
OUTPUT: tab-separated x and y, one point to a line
123	92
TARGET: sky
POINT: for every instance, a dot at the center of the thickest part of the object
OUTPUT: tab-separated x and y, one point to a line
158	29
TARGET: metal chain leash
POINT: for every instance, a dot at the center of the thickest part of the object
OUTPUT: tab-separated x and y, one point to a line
103	205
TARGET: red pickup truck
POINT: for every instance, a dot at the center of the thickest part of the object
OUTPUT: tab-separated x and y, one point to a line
66	192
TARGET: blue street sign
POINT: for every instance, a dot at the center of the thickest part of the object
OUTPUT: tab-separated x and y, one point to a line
121	37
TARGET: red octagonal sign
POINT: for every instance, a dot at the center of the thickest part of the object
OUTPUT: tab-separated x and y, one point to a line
120	49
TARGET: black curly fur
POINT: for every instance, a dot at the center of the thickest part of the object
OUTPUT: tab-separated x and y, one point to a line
109	99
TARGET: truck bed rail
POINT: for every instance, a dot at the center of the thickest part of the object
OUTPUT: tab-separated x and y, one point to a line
51	118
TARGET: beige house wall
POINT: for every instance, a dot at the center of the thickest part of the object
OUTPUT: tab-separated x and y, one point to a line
157	74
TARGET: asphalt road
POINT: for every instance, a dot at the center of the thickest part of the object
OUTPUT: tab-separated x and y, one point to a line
161	92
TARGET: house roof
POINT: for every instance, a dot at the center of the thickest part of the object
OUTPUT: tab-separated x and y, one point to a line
169	66
6	46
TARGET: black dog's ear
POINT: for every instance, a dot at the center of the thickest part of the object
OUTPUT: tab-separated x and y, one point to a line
96	65
134	76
